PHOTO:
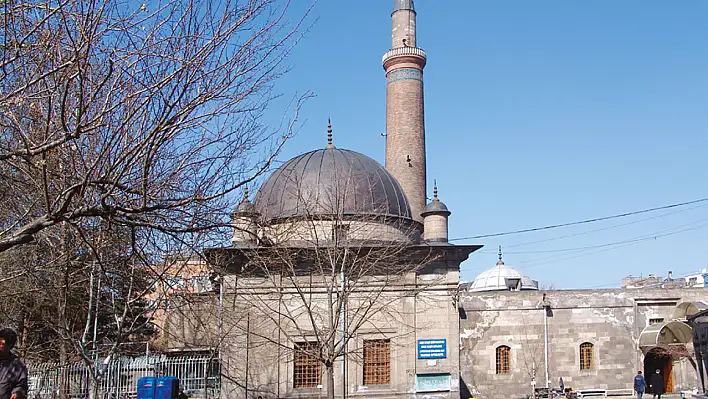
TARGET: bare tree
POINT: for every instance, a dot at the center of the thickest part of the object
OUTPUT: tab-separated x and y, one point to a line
532	349
125	129
144	115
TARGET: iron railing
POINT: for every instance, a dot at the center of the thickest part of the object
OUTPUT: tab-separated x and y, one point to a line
403	51
199	375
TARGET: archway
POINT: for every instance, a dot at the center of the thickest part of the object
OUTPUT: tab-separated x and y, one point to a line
660	359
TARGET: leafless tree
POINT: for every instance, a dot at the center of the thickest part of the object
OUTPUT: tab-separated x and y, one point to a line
125	129
532	345
144	115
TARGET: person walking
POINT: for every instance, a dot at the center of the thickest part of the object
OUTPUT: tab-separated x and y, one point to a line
639	385
656	384
13	373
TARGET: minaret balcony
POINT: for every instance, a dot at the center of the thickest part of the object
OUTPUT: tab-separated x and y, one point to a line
414	52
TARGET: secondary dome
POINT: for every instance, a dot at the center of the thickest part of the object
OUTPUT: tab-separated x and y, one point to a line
331	181
496	279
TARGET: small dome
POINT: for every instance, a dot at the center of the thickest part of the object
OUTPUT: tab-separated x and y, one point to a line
495	278
245	206
436	206
331	181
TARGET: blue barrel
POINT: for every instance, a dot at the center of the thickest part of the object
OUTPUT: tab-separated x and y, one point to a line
166	387
146	388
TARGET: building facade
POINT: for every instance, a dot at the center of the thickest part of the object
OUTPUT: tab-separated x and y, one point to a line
592	339
340	281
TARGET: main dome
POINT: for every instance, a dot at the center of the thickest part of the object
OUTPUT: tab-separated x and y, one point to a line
331	181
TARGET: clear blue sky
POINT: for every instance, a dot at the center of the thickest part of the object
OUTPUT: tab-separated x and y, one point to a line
537	112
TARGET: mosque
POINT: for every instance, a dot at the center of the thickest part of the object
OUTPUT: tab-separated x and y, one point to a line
341	281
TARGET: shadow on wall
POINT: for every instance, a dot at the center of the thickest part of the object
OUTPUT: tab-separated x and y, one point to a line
464	390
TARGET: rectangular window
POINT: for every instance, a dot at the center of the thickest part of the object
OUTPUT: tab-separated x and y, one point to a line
307	368
377	362
503	359
586	356
656	320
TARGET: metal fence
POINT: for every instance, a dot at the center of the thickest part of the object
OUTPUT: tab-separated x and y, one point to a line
198	375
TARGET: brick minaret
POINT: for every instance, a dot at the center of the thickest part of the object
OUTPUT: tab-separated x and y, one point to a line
405	125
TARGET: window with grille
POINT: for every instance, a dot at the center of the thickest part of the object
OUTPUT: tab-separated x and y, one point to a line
307	369
586	356
503	359
377	362
656	320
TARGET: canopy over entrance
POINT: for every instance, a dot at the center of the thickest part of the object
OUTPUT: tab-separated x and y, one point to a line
667	333
684	310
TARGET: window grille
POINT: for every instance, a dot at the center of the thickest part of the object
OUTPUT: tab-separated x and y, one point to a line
377	362
656	320
503	360
586	356
307	369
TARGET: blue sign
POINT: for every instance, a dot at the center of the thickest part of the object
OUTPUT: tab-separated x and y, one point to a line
432	349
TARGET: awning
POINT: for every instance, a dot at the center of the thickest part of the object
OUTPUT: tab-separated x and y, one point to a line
667	333
684	310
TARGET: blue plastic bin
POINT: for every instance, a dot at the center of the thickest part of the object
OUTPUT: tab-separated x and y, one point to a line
166	388
146	388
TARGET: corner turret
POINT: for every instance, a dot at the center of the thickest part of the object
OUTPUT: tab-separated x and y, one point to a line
245	223
435	216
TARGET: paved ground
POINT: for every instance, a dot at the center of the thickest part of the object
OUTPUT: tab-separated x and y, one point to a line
666	396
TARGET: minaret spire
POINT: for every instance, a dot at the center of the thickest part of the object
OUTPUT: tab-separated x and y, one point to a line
405	121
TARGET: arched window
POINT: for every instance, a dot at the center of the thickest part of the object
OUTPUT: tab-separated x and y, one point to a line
503	355
586	356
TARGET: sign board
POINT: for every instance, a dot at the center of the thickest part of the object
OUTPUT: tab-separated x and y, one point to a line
432	349
432	382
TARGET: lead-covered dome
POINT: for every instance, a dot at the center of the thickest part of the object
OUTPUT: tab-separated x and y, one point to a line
498	279
331	181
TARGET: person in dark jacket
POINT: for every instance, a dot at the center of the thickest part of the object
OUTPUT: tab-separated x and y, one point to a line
13	373
656	384
639	384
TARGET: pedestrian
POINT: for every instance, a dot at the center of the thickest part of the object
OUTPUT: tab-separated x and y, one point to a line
639	385
13	373
656	384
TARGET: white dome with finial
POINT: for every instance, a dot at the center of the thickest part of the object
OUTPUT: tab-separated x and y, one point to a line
498	278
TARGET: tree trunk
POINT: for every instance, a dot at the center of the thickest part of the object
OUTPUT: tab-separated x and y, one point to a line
330	380
62	369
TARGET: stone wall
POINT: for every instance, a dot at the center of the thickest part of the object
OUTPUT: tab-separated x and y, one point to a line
610	320
263	319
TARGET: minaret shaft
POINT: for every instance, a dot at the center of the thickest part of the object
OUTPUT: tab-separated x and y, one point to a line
403	28
405	120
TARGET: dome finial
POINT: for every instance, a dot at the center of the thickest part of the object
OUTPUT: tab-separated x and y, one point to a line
245	193
329	134
435	190
500	257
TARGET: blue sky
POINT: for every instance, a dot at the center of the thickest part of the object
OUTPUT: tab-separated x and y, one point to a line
537	112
